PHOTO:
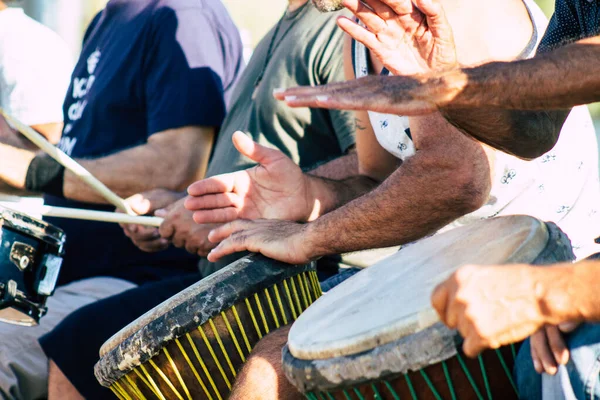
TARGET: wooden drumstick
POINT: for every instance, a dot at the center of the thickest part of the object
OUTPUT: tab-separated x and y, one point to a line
87	215
67	162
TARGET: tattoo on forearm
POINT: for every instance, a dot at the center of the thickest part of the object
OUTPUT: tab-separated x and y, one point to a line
359	124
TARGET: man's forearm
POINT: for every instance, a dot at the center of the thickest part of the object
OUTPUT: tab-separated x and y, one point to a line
413	202
520	107
569	292
170	162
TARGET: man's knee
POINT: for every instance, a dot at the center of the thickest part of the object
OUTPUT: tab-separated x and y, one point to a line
262	376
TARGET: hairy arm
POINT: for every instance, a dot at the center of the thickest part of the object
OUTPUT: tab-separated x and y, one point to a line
430	190
171	160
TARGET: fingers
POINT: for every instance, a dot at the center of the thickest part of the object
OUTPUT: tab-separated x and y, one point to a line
472	346
373	21
212	201
436	19
140	204
216	184
543	359
439	301
217	216
358	33
557	345
254	151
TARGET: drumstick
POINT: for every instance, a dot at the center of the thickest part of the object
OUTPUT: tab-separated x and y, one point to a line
67	162
88	215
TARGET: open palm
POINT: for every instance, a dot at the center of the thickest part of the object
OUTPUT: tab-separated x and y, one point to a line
407	39
274	189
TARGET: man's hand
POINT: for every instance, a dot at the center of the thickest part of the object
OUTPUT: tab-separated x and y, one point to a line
148	238
180	229
400	95
407	38
491	306
280	240
274	189
548	348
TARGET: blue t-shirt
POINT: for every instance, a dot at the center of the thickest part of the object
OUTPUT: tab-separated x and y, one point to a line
572	20
146	66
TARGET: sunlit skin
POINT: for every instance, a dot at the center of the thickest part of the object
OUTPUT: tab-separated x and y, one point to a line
492	306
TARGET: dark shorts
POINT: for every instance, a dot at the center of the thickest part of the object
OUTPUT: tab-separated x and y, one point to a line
75	343
344	274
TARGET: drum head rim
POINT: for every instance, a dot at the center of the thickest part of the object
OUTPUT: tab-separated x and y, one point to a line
39	229
395	329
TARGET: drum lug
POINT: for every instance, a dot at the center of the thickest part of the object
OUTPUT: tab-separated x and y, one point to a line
22	255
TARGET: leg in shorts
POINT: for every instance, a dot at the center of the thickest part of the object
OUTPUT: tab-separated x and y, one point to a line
23	364
74	345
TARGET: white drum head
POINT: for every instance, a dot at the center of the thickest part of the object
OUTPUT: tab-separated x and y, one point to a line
391	299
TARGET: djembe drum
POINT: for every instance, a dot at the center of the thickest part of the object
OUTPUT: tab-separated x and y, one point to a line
192	345
376	336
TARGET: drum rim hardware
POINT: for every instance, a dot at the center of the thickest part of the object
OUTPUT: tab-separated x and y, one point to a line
34	227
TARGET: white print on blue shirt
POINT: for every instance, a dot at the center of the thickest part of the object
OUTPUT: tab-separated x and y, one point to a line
81	87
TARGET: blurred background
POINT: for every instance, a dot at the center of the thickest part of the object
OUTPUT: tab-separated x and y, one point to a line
253	17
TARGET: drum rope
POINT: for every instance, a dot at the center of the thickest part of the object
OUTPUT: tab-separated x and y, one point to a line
307	289
197	353
506	370
262	314
347	395
448	380
430	385
225	354
130	384
233	337
278	297
214	356
177	374
253	319
485	378
376	392
302	291
157	392
391	389
469	377
291	300
193	368
298	304
237	319
410	387
122	394
138	373
268	296
166	379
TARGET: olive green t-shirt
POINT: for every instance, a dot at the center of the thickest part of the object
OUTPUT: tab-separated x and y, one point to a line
306	51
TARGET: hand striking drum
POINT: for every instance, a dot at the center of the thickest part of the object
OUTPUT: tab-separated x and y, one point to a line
375	335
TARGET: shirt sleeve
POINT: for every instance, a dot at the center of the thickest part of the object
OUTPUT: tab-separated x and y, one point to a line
331	69
183	71
564	27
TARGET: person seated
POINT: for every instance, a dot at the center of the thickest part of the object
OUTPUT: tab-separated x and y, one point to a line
434	188
142	111
304	47
489	102
31	94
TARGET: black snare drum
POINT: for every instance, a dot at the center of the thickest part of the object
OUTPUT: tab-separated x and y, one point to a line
30	258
